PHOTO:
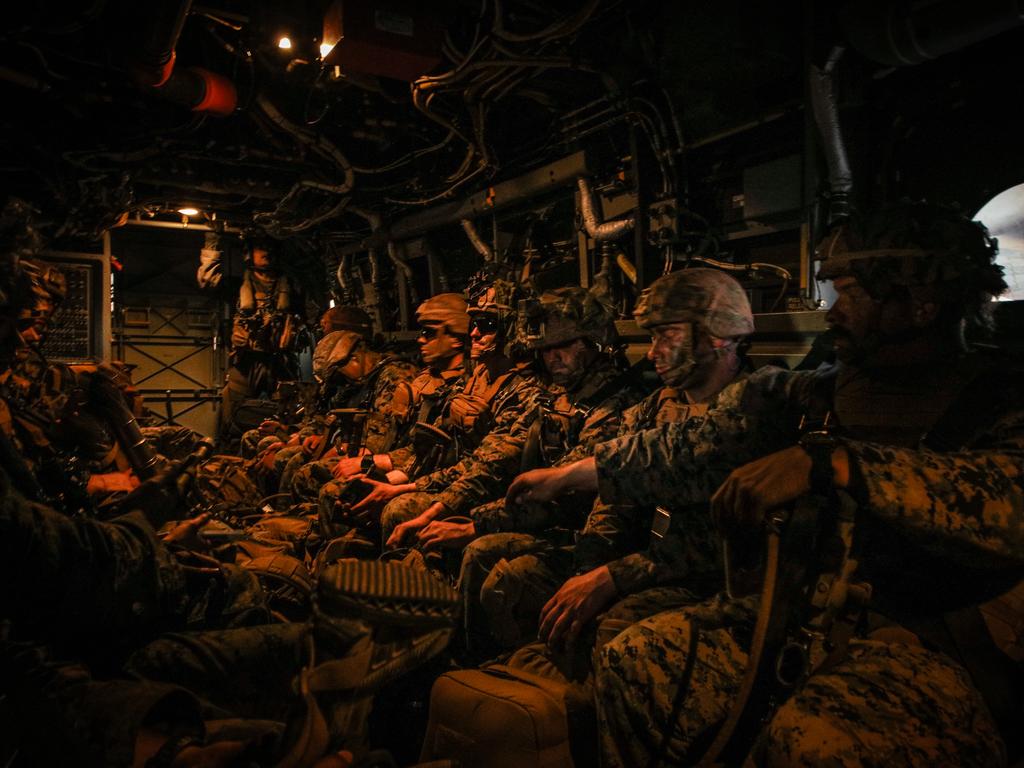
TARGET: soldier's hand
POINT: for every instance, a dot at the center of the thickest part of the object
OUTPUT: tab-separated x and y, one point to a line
542	485
157	498
347	467
446	534
380	493
270	427
186	533
574	606
754	489
404	531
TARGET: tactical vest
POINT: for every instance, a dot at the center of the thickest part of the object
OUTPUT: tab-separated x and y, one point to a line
471	411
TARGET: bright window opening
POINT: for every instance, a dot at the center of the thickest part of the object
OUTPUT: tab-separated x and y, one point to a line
1004	217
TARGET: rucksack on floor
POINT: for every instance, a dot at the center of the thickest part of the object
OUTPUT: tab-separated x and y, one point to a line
498	717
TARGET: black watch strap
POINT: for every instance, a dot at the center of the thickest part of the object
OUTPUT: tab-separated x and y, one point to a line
170	749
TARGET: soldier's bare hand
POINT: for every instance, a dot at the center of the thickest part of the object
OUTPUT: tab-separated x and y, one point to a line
574	606
754	489
347	467
542	485
446	534
186	533
157	498
270	427
380	494
404	531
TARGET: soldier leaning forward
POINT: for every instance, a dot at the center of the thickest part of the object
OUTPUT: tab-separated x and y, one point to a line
377	408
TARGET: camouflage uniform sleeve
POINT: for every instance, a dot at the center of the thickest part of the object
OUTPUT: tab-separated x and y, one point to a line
680	464
485	473
384	425
60	710
968	504
609	531
623	425
64	573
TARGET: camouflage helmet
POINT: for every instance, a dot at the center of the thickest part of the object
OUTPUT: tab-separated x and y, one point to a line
447	310
347	318
333	350
915	244
564	315
48	285
707	297
496	296
19	240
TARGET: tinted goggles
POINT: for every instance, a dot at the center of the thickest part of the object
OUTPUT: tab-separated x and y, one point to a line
485	324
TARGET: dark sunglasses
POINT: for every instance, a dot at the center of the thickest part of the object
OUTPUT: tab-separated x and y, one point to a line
483	323
429	332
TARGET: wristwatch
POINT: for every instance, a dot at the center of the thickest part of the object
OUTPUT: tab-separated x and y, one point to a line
820	446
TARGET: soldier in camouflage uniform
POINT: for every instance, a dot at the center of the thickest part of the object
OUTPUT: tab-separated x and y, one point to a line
588	389
342	318
383	393
487	419
267	321
697	319
929	446
444	333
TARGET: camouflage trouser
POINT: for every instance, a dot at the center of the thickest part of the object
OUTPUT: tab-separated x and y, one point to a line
577	665
504	580
885	704
309	482
173	442
399	510
244	672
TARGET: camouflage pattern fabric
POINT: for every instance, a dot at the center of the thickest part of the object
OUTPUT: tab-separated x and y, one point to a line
504	581
489	462
940	526
378	395
614	535
878	706
55	709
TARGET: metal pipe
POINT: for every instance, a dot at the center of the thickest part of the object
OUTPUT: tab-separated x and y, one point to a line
611	230
403	273
900	34
155	57
474	237
552	176
189	227
315	140
826	115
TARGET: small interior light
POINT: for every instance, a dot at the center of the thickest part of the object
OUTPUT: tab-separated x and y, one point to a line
325	48
285	43
330	304
188	211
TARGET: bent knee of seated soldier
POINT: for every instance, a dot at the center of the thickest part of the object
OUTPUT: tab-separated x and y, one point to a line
887	704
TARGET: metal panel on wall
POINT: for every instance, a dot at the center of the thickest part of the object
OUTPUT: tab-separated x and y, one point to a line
177	366
80	329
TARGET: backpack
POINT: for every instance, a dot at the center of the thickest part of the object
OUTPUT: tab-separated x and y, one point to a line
498	717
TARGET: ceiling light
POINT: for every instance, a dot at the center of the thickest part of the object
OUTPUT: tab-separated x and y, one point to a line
188	211
284	43
325	48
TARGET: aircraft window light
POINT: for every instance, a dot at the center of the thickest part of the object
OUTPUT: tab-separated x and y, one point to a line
1004	217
